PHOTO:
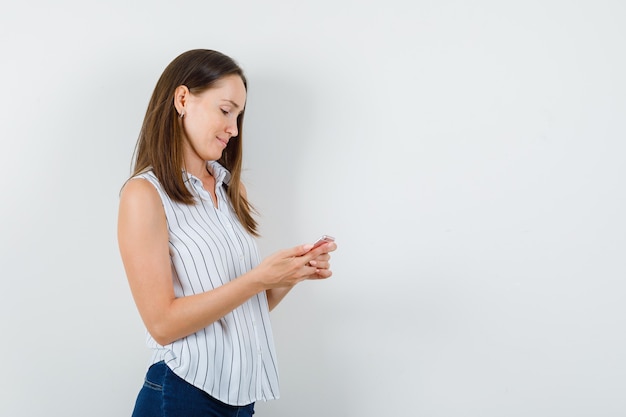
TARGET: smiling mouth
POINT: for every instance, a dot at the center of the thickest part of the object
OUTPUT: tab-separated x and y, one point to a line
224	142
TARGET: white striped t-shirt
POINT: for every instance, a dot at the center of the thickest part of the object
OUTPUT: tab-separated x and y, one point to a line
233	359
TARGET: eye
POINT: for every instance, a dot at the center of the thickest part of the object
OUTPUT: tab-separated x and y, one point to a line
225	112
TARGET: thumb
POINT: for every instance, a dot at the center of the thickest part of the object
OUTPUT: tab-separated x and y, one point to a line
299	250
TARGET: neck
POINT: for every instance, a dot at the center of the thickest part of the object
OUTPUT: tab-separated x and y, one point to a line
195	165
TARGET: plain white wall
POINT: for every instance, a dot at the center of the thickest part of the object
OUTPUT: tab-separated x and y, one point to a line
468	156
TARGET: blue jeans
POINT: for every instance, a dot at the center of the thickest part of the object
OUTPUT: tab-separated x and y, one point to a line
165	394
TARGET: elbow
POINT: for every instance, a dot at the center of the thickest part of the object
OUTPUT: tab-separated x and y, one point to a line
162	341
161	324
161	334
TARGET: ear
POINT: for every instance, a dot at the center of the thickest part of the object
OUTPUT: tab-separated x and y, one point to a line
181	95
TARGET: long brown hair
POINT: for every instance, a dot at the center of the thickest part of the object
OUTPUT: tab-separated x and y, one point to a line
160	143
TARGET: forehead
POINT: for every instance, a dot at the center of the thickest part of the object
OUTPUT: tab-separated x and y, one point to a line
230	88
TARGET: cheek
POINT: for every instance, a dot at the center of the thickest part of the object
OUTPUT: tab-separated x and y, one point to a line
197	125
205	121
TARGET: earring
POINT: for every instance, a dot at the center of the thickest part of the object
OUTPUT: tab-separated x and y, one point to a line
181	115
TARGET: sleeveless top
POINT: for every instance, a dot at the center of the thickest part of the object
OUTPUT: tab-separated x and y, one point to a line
234	358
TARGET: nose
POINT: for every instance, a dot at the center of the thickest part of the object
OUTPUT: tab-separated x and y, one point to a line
232	129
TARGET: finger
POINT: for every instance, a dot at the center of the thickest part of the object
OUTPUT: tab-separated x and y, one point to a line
325	273
309	271
327	247
296	251
319	264
315	253
330	247
322	274
324	257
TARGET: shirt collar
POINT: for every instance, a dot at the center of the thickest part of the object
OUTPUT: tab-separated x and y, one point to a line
221	175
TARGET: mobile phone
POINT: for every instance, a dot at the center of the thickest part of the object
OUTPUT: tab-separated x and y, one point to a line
322	240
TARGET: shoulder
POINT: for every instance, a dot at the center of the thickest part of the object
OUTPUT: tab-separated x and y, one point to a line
141	220
139	188
140	197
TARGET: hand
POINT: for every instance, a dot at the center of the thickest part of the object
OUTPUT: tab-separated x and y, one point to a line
288	267
322	262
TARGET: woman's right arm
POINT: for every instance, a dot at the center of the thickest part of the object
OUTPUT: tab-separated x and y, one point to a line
143	242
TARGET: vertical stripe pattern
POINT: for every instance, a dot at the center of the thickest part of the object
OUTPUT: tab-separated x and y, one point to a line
233	359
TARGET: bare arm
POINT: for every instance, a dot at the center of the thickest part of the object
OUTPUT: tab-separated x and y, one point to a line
143	242
276	295
321	262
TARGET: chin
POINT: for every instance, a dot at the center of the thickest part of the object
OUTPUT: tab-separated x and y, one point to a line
213	156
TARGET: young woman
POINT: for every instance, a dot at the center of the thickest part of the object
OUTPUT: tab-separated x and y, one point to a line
186	236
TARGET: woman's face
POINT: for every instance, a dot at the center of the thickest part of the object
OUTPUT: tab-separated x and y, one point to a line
210	118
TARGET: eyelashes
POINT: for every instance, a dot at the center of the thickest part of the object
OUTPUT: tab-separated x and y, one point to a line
228	113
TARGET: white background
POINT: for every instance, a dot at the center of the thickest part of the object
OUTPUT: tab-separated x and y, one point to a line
468	156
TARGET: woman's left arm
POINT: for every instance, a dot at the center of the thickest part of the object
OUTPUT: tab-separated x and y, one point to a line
322	263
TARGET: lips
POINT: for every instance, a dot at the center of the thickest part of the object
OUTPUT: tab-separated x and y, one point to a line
223	141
